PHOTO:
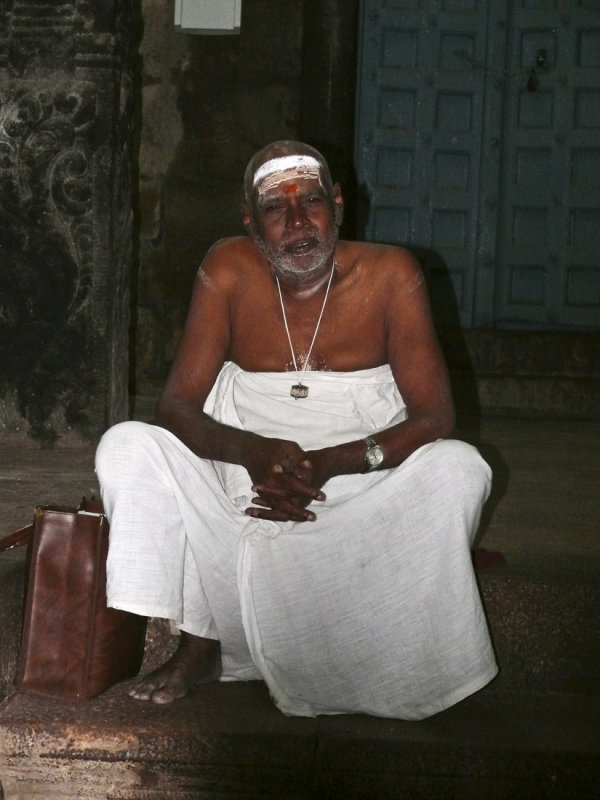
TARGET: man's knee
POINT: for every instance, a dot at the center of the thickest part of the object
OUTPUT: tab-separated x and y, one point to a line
461	465
120	445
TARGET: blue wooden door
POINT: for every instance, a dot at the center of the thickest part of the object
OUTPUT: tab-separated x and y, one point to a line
478	144
549	214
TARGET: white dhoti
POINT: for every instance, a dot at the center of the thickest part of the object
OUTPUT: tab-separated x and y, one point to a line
372	608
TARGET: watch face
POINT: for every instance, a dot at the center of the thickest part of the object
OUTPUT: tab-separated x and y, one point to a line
374	455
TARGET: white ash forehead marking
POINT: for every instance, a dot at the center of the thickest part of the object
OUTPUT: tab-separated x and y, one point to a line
293	166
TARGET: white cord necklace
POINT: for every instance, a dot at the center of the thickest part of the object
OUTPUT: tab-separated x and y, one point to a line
299	390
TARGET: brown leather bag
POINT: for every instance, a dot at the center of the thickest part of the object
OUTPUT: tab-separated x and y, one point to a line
73	647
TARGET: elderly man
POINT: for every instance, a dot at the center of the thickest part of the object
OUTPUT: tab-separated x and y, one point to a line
299	510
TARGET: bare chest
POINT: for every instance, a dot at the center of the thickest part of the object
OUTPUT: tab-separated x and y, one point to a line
345	333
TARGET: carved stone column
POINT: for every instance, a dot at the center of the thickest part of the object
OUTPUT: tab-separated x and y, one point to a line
329	61
67	78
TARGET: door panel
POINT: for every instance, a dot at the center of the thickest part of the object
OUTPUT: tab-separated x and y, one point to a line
477	143
549	224
420	113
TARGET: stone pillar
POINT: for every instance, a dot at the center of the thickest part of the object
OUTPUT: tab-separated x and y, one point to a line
67	78
329	63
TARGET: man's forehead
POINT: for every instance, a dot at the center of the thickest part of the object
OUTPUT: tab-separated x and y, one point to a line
290	167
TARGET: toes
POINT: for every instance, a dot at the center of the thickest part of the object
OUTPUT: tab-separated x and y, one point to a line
144	687
167	694
160	692
141	692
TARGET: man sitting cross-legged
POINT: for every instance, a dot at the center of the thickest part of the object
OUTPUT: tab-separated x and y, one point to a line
300	509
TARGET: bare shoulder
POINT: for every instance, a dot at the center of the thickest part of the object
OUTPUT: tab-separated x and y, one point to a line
391	268
231	246
227	257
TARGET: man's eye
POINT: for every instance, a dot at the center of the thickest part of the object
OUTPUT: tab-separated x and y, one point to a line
271	208
313	199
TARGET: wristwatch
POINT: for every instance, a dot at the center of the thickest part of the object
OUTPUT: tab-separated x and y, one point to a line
374	455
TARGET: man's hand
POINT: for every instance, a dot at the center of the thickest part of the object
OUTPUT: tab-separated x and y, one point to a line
288	487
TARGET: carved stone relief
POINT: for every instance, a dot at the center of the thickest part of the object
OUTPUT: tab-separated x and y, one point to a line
65	216
47	234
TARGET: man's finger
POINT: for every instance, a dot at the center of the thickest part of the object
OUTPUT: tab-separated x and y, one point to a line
288	488
280	515
267	513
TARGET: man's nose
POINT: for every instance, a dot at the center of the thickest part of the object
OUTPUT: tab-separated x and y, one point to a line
296	216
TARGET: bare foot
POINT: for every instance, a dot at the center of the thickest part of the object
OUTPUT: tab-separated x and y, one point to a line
196	660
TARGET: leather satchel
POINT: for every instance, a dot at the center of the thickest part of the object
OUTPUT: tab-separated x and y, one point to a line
73	647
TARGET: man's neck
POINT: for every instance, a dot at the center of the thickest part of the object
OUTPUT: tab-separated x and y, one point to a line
302	286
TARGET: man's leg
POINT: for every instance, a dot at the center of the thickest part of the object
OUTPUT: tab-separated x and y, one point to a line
153	487
379	592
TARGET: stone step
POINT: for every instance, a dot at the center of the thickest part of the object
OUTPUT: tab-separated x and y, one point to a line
540	373
228	741
574	354
531	733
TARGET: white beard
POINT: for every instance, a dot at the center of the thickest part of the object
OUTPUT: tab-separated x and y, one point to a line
286	264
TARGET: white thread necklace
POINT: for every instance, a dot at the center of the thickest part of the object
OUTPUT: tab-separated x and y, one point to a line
299	390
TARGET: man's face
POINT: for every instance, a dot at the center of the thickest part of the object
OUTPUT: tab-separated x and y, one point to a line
295	217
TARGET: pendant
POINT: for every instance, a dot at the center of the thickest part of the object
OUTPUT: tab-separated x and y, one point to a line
299	391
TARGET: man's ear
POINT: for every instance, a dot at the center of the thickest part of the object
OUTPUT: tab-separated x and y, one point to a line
338	204
246	218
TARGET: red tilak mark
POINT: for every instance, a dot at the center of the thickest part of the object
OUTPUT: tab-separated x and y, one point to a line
291	188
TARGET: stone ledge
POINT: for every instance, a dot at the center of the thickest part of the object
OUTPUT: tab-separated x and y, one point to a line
525	396
528	373
573	354
531	733
544	625
228	741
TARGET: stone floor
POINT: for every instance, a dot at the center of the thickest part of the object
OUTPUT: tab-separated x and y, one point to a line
532	734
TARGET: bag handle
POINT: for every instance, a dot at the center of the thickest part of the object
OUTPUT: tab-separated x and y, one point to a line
16	539
23	535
